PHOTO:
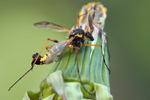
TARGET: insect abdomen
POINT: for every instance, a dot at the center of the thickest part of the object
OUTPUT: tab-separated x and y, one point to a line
40	60
56	51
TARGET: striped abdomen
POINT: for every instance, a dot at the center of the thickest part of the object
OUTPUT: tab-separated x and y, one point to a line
54	53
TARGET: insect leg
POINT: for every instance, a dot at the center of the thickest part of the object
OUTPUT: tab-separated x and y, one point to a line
33	63
70	48
79	74
53	40
48	47
101	31
102	53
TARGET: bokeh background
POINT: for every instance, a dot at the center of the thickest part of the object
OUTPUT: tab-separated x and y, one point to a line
127	27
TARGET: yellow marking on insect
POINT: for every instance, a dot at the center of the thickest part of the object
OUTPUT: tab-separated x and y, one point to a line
67	37
78	35
43	58
42	63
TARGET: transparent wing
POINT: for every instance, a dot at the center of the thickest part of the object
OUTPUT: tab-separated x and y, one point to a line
50	26
57	50
66	44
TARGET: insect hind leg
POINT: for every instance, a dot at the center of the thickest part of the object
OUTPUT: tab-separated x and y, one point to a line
47	48
102	53
36	56
80	76
49	39
102	33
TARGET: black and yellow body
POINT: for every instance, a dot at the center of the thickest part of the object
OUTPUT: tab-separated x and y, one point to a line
79	35
40	59
76	39
52	55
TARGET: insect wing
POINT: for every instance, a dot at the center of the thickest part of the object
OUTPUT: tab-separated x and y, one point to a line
50	26
56	51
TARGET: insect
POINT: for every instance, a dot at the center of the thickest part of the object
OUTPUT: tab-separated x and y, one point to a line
76	40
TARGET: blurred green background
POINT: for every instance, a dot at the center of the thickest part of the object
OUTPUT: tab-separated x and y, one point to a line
127	27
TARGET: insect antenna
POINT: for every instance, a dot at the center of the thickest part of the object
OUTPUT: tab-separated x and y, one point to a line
33	63
20	78
80	76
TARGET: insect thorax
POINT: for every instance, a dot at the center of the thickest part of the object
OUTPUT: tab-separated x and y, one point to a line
79	37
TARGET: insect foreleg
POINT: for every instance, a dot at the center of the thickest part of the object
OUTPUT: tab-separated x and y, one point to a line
53	40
